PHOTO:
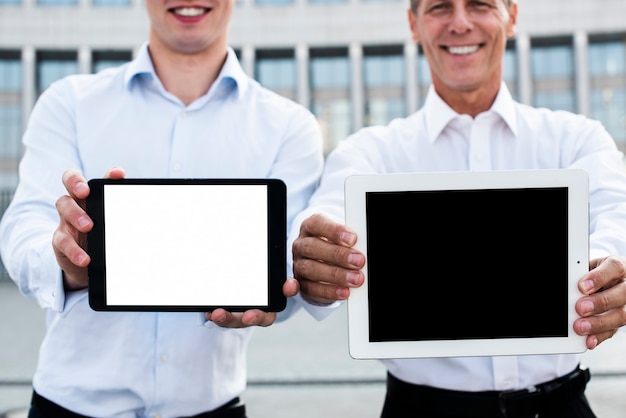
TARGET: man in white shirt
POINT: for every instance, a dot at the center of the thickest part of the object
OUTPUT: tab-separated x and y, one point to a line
183	108
470	123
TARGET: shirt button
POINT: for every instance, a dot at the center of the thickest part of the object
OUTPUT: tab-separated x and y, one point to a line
183	115
176	167
157	415
164	358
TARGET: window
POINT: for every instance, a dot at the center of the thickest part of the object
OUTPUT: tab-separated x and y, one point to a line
607	71
552	69
509	73
106	59
327	1
57	2
10	115
276	70
424	79
111	2
384	76
54	65
330	95
273	2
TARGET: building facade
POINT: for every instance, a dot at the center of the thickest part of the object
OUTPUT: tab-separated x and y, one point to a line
352	62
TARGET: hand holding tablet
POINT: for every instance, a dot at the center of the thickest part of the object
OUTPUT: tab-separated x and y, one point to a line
469	263
187	244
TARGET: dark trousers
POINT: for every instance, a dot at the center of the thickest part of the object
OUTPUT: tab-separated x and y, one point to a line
41	407
560	398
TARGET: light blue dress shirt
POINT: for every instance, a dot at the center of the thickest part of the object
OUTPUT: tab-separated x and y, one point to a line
145	364
509	136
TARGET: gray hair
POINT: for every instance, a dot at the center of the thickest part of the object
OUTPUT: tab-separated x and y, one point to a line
415	4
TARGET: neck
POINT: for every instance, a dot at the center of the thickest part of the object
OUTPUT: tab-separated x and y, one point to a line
187	76
469	102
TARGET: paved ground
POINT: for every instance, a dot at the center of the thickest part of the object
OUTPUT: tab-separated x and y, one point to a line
301	368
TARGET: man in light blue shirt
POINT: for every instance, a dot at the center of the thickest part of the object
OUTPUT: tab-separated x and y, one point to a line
183	108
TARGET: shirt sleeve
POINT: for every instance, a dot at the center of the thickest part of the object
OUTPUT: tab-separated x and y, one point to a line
30	220
598	155
348	158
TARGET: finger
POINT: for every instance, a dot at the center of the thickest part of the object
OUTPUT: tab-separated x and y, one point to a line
323	292
75	184
313	270
222	318
614	297
318	249
66	246
319	225
291	287
602	274
599	338
73	214
256	317
115	173
601	326
594	340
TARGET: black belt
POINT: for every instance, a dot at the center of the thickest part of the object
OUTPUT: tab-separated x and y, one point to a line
531	402
48	409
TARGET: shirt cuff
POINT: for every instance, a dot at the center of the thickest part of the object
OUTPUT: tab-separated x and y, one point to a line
317	310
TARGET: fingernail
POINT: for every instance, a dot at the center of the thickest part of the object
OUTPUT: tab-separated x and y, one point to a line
353	278
584	326
587	285
81	187
586	306
348	238
355	260
83	221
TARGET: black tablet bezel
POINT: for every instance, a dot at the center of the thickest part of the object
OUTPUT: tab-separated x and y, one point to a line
276	246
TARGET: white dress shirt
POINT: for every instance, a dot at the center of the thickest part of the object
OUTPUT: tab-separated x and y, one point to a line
509	136
142	363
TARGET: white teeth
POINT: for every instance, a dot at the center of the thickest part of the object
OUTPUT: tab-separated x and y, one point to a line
462	50
189	11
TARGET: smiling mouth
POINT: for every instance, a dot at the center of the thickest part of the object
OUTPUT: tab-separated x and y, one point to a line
190	11
462	50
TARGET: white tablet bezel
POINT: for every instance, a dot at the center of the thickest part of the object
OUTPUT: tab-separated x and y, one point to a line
356	188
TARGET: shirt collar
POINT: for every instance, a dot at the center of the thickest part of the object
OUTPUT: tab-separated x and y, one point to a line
231	76
438	114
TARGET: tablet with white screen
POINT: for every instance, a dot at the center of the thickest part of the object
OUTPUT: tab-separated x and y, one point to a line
468	263
187	244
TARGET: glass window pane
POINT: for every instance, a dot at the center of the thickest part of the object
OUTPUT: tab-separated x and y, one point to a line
111	2
424	79
384	76
609	107
54	65
57	2
607	58
11	118
106	59
607	70
327	1
330	94
273	2
552	67
276	70
510	70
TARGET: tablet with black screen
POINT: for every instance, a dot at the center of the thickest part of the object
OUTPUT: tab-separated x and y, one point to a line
468	263
187	244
